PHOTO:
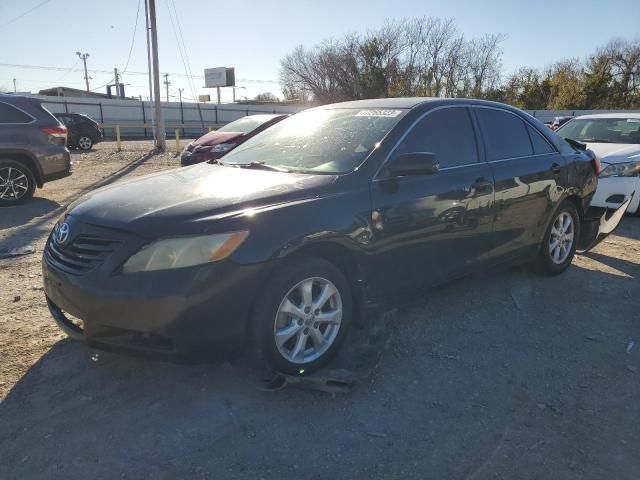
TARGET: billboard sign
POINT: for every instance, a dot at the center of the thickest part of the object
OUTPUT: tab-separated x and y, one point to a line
219	77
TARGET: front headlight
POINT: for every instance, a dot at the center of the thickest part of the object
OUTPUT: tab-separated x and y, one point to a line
181	252
222	147
628	169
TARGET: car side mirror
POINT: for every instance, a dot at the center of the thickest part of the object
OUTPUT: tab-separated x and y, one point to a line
417	163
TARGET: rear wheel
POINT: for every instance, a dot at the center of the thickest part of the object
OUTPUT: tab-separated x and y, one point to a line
559	245
17	182
85	143
303	316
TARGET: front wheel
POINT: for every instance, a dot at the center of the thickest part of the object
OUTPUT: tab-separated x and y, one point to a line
559	245
303	316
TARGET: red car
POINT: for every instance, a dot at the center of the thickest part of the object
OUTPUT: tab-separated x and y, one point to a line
214	145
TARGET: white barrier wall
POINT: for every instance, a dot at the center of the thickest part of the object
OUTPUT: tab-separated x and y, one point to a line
197	116
200	116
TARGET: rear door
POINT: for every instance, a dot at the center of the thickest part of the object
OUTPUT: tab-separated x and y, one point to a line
530	177
432	227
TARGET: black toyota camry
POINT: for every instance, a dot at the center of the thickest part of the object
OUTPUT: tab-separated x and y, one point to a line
295	236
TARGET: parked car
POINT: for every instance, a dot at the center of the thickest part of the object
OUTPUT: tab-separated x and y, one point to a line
559	121
215	144
615	138
302	229
32	148
84	132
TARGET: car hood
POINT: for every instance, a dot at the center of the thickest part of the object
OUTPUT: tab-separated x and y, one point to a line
615	152
188	200
215	138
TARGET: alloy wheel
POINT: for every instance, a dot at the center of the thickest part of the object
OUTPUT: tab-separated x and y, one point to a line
308	320
85	143
14	184
561	238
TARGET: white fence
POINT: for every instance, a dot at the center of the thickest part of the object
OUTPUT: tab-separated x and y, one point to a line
197	118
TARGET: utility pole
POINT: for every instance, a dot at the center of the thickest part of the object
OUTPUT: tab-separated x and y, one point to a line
83	57
167	83
161	144
180	90
115	75
146	18
14	86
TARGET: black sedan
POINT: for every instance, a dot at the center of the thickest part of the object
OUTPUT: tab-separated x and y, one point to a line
303	228
83	132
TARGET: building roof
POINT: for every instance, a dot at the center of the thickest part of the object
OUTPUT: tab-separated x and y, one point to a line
70	92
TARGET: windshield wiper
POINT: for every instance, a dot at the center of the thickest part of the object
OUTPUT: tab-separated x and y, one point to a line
258	166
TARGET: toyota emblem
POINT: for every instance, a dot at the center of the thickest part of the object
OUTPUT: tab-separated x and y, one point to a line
61	235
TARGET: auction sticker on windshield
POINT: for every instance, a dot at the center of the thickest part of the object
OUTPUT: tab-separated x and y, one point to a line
378	113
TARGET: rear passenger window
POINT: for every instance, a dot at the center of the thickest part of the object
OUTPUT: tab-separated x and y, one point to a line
9	114
505	135
448	133
540	145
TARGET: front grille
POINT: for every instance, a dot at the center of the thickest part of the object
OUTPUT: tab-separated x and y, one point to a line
83	254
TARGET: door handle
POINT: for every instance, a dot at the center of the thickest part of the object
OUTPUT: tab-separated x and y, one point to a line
556	169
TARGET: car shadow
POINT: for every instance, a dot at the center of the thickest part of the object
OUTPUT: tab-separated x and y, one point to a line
21	214
487	378
628	267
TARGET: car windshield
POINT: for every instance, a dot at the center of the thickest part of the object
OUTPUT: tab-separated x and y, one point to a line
318	141
246	124
602	130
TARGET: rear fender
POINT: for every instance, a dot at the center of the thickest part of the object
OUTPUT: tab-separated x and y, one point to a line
598	223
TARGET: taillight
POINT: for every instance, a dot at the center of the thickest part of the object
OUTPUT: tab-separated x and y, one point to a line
595	163
57	132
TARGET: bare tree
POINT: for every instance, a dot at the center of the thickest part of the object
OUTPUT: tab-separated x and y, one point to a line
484	63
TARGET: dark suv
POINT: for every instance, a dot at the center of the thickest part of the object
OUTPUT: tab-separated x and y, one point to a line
84	132
32	148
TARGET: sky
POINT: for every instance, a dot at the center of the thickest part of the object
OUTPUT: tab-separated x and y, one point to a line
252	36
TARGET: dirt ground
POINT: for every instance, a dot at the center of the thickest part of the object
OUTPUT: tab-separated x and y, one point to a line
510	375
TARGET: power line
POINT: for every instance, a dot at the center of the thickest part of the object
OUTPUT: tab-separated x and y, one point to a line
184	48
182	57
133	39
67	72
23	14
175	74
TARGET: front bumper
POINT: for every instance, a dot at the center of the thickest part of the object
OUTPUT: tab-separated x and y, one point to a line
611	189
190	312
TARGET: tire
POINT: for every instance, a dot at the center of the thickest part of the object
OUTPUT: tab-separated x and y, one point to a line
17	182
554	258
85	143
280	313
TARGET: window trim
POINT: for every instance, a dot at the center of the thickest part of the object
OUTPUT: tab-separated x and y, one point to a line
377	178
553	148
526	124
33	119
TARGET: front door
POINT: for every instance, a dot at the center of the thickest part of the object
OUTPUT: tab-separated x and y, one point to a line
432	227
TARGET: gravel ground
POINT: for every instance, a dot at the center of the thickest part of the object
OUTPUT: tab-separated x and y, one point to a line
510	375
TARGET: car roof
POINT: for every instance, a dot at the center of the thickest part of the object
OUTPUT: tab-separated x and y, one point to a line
266	116
411	102
609	115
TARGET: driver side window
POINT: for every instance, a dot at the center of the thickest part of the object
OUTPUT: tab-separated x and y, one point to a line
448	133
